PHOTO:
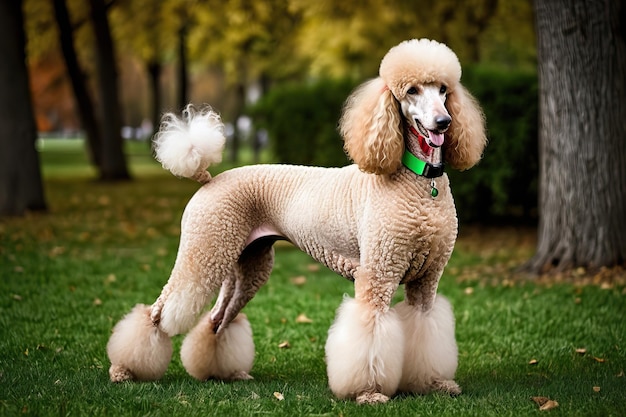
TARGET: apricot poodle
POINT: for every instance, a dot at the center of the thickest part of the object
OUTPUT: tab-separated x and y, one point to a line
388	219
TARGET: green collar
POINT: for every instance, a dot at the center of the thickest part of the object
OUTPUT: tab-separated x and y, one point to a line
423	168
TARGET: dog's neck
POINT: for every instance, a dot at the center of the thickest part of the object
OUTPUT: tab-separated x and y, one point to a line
416	144
422	159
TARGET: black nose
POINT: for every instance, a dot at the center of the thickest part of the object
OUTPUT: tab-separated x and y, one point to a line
442	121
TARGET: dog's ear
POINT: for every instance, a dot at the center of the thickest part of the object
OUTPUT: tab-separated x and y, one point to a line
466	138
371	127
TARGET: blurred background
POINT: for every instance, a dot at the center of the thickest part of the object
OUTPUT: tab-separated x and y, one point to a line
279	70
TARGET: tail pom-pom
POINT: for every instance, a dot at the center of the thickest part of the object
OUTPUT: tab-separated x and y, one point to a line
188	145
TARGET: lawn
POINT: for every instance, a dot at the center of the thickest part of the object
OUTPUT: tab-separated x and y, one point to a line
70	274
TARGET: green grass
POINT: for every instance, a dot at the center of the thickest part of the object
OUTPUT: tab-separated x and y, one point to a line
67	276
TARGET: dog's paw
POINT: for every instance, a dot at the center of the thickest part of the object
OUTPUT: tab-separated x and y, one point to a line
447	387
118	373
371	398
240	376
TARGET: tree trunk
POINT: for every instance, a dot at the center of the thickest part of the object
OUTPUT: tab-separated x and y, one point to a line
113	164
154	72
182	66
582	134
478	19
240	103
21	187
84	103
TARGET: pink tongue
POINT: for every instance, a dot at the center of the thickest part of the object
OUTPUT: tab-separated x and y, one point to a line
436	139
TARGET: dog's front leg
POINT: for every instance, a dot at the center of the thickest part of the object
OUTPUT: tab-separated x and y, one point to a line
364	350
430	355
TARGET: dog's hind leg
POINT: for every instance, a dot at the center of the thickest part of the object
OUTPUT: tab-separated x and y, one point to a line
221	345
225	296
137	349
255	263
364	350
140	347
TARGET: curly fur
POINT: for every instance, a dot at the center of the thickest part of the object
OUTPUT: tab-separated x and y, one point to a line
192	143
371	127
373	222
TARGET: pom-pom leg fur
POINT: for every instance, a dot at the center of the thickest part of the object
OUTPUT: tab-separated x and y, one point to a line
364	353
137	349
430	352
227	356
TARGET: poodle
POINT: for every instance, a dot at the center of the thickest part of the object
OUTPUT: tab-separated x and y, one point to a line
386	220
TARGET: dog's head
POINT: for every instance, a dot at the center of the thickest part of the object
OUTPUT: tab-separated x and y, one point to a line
419	85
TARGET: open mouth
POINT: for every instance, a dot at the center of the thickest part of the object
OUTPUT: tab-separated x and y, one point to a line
433	139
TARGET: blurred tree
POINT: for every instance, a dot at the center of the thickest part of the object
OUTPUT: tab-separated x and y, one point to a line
350	38
582	136
183	81
113	161
21	187
85	107
149	29
252	41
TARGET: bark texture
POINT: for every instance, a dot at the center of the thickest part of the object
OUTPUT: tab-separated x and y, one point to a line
21	187
582	134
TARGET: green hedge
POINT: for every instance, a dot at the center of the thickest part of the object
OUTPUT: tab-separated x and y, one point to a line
504	184
301	121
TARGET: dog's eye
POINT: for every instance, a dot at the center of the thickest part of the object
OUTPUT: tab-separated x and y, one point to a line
412	91
443	89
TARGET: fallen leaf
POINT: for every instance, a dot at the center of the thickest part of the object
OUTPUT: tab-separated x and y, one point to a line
279	396
284	345
302	318
469	291
97	302
313	267
545	403
299	280
599	359
621	374
596	389
17	297
549	405
581	351
533	362
56	251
